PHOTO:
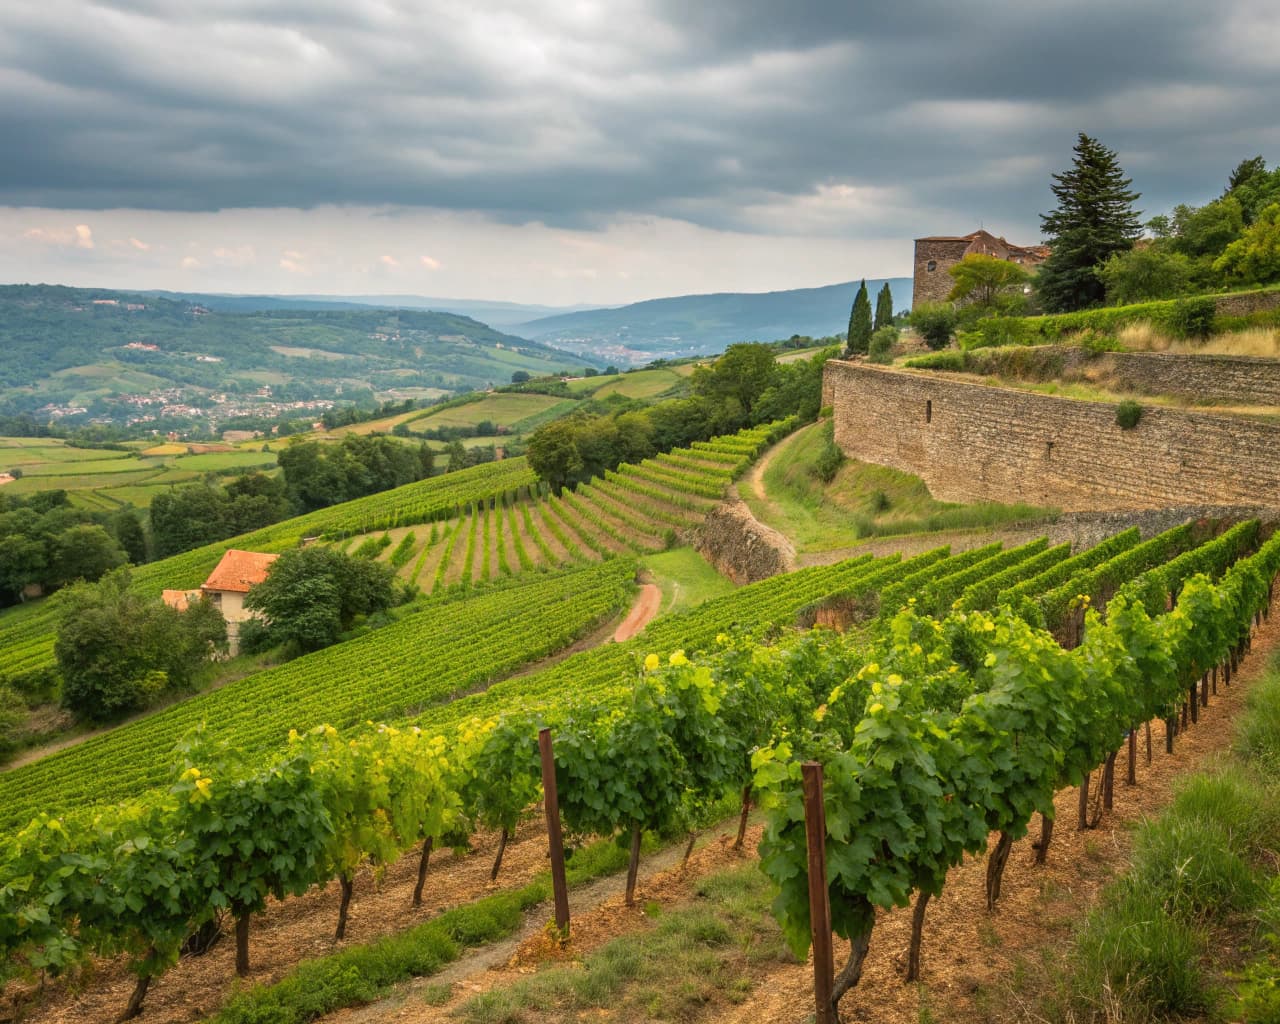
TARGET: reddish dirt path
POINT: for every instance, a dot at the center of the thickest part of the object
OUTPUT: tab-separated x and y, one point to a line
647	605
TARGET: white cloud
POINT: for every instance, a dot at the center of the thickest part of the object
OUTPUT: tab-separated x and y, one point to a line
337	250
139	244
79	237
389	261
190	263
234	255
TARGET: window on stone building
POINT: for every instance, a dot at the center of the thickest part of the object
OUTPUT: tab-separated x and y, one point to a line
931	265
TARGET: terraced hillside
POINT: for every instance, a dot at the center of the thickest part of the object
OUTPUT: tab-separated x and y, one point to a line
27	631
419	669
638	508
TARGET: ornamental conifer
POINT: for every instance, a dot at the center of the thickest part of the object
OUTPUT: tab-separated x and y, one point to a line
884	307
1094	221
860	322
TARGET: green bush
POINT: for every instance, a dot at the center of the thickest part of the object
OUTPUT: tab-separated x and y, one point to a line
1193	318
1128	413
829	457
954	360
882	342
935	322
13	713
999	331
1092	341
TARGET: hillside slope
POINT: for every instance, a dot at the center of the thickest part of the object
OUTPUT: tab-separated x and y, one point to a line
108	353
700	324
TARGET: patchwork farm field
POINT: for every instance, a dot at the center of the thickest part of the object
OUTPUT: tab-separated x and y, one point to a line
102	479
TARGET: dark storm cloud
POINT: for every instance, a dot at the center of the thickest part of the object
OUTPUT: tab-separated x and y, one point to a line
731	114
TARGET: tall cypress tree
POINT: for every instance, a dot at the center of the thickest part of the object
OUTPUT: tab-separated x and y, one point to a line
860	321
884	307
1094	221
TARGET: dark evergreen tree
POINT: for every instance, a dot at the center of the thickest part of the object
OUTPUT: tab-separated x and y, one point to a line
860	322
884	307
1094	220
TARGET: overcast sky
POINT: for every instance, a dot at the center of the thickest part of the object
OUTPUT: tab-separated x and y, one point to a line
597	152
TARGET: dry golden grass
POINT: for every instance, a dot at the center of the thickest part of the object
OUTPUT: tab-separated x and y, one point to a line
1253	341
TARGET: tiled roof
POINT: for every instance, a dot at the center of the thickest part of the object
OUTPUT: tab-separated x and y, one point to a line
239	570
178	599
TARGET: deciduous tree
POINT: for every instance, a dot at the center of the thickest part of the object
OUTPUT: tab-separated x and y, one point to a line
983	280
1254	258
117	650
313	594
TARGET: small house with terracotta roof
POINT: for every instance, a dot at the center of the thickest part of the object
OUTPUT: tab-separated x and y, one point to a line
937	253
227	587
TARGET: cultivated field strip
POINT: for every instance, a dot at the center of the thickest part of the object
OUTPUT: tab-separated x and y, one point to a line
771	604
637	509
394	672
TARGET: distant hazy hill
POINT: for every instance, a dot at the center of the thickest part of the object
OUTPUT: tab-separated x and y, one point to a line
703	324
493	313
94	348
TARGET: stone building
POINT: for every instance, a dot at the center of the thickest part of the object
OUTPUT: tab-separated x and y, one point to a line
932	283
227	587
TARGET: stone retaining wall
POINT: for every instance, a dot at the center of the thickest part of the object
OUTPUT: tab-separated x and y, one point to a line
972	442
1237	380
740	546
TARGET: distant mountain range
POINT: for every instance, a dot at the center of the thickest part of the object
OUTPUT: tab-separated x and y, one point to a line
703	324
683	325
501	315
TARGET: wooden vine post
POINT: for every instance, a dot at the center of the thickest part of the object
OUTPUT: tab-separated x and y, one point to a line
815	826
551	803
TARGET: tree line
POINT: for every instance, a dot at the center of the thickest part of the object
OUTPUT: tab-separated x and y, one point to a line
46	543
744	387
1103	253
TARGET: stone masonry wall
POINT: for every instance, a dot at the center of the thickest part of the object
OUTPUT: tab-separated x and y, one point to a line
1237	380
1247	302
972	442
740	546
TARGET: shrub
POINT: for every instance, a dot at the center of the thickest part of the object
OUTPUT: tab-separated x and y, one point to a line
1128	413
12	717
936	322
829	457
1193	318
1092	341
954	361
882	342
998	331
